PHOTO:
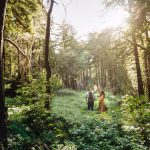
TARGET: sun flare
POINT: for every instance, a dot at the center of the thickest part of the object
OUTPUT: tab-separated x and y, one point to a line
115	17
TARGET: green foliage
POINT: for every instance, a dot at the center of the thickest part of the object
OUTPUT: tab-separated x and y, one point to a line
18	137
55	83
35	91
36	128
72	106
136	115
19	15
102	135
39	120
69	124
65	92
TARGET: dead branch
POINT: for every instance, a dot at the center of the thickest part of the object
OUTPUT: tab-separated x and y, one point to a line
18	48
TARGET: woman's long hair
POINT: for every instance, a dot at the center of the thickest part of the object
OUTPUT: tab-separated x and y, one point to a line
102	93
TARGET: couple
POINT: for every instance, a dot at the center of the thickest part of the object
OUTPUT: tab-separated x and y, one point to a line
90	101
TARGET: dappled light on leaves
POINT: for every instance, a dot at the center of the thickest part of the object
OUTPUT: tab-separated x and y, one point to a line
74	74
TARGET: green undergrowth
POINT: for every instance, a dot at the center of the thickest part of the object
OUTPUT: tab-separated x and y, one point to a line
69	125
72	105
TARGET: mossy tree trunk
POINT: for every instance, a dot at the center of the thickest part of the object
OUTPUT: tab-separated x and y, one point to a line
3	112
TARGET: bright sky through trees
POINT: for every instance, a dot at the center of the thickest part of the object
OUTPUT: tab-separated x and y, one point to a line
52	52
88	15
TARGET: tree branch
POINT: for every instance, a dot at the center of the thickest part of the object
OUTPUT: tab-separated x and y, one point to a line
46	147
137	45
12	42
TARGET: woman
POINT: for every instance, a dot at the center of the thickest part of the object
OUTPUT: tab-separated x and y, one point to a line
102	107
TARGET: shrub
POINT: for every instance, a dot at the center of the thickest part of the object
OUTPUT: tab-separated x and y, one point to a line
102	135
136	117
36	90
37	128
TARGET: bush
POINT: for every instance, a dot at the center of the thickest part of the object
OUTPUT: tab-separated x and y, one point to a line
102	135
37	128
36	90
136	117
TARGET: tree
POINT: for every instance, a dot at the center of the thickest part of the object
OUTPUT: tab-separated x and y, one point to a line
3	112
47	63
24	29
69	56
136	54
137	15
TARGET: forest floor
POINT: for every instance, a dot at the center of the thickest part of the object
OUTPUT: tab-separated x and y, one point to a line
72	105
68	124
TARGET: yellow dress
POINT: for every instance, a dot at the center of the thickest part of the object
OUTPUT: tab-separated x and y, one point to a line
102	107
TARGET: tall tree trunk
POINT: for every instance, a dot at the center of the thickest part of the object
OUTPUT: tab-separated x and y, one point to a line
10	64
3	112
84	80
148	82
104	79
39	64
147	64
138	69
19	67
96	69
110	78
135	50
89	66
99	73
47	63
3	57
147	73
32	60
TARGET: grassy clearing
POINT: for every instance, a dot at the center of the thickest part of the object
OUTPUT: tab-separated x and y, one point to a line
72	106
69	125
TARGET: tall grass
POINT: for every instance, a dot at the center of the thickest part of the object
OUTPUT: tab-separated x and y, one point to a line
72	105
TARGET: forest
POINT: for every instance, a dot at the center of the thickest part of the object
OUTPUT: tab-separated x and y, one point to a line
46	69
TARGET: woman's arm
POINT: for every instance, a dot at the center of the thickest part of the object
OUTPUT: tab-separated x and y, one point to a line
101	97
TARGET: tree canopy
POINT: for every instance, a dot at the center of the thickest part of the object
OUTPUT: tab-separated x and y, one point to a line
43	62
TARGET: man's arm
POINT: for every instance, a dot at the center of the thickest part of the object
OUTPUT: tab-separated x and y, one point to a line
94	97
86	96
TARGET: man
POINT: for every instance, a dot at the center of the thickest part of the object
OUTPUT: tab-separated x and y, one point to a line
90	99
